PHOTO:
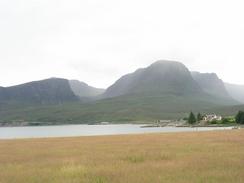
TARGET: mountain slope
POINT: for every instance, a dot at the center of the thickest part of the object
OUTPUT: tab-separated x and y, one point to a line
161	76
48	91
82	89
236	91
137	107
226	110
211	84
133	107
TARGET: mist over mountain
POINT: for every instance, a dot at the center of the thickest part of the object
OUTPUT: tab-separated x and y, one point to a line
236	91
211	84
160	77
82	89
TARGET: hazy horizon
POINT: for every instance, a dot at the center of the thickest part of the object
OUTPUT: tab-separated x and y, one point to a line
112	82
99	41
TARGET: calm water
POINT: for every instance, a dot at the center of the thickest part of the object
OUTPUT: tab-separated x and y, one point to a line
89	130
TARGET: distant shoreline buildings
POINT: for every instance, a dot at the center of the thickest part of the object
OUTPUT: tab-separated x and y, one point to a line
212	117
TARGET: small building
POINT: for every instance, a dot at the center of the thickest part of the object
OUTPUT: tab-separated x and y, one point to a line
212	117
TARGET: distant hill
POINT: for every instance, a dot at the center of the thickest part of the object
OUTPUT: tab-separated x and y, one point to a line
236	91
82	89
211	84
162	76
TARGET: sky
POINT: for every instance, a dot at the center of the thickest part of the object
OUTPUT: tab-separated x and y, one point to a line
98	41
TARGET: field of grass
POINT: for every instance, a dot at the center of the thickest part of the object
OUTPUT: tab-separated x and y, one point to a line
193	157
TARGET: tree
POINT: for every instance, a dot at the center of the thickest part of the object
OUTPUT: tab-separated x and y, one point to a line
240	117
199	117
192	118
225	120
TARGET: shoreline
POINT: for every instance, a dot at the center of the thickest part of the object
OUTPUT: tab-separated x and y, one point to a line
145	123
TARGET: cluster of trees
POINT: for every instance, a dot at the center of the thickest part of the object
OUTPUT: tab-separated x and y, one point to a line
240	117
192	119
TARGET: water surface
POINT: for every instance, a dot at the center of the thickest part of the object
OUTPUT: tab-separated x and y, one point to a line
90	130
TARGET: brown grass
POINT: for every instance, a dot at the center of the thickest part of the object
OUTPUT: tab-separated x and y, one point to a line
193	157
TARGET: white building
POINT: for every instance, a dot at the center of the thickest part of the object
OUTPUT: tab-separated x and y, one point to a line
212	117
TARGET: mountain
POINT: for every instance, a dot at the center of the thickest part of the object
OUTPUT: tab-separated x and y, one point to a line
163	90
211	84
48	91
2	93
160	77
82	89
236	91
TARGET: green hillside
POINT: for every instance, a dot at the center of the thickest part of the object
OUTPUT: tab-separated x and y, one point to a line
227	110
143	107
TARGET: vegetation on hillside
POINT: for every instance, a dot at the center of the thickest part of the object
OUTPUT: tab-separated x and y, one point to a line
137	107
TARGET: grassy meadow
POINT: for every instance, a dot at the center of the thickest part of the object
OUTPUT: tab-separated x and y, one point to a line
190	157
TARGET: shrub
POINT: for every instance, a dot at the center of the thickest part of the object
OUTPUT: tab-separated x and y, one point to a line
214	122
228	120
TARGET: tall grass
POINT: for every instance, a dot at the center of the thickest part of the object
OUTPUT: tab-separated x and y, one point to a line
195	157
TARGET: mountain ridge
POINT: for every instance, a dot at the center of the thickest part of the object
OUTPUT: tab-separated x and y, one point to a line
48	91
161	76
210	83
164	89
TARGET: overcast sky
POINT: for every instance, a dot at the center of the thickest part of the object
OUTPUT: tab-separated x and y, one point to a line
97	41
